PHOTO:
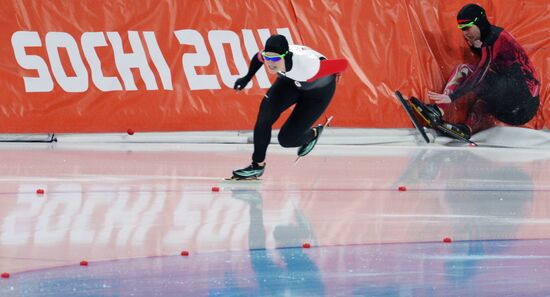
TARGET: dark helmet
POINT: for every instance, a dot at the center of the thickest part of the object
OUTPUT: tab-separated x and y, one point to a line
276	44
476	15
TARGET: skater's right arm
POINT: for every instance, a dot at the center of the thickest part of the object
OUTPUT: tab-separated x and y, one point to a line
473	82
255	64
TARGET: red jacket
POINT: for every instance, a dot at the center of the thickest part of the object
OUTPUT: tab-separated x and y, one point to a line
501	54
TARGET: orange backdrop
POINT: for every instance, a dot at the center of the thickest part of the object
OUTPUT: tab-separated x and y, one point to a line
107	66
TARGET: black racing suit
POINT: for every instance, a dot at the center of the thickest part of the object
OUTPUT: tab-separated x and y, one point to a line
504	79
293	87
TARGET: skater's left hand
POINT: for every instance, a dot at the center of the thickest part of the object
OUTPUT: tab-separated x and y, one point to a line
439	98
241	83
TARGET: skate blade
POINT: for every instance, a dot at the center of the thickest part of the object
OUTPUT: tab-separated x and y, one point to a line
233	178
327	122
456	136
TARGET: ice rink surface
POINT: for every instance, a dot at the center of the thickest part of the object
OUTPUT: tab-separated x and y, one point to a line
375	216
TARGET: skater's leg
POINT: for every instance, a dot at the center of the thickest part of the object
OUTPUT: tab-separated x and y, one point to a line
280	97
510	99
311	105
458	110
458	76
480	118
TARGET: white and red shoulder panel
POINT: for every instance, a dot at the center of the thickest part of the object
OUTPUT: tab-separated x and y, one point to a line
307	66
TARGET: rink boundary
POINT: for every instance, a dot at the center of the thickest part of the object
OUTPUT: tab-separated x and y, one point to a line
496	137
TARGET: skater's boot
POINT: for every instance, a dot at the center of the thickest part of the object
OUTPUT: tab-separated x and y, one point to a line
429	113
456	129
253	171
307	147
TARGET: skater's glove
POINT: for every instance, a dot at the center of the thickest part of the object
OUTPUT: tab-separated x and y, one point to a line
240	83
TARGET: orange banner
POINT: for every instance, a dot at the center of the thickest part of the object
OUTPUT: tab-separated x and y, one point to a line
109	66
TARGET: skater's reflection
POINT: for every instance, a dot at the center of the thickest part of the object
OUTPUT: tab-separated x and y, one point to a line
491	215
485	201
297	275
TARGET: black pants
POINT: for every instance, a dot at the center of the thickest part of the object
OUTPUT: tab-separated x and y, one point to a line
508	97
296	131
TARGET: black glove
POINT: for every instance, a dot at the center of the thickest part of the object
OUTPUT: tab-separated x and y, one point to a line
240	83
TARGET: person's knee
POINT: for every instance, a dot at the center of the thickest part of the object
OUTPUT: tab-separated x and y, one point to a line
458	76
287	139
284	141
